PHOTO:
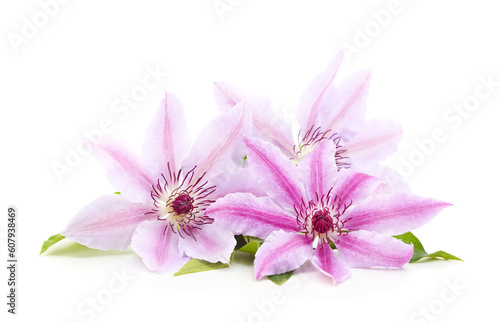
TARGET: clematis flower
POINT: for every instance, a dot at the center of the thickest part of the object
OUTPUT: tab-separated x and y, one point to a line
326	112
312	205
164	194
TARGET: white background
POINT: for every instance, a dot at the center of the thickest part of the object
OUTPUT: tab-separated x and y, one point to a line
64	79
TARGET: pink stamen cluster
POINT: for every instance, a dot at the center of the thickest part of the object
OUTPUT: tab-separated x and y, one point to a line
314	136
181	203
321	218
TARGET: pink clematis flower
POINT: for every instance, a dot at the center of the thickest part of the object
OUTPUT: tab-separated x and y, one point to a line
326	112
312	204
164	194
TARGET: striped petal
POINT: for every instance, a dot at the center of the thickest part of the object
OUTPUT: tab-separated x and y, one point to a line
330	263
282	252
243	213
124	170
168	139
345	105
314	97
354	186
107	223
278	175
268	124
158	247
219	145
213	243
318	169
393	214
365	249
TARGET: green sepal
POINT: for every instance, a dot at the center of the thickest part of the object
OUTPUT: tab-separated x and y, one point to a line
250	248
51	241
280	279
419	251
198	265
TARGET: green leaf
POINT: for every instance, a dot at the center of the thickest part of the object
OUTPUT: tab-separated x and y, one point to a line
443	255
280	279
118	193
51	241
419	251
250	248
240	241
198	265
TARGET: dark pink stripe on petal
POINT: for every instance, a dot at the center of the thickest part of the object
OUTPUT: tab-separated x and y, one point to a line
330	263
282	252
243	213
107	223
277	174
394	214
365	249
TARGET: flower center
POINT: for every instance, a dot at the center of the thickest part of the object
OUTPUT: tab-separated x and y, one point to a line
323	218
313	137
322	221
181	202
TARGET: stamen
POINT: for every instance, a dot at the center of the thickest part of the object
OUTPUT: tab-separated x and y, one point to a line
181	203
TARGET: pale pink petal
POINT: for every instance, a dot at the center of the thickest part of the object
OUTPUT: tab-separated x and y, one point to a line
277	174
282	252
330	263
268	124
213	243
167	140
243	213
318	169
219	145
158	247
227	96
345	105
354	186
239	180
313	99
365	249
377	140
124	170
107	223
393	214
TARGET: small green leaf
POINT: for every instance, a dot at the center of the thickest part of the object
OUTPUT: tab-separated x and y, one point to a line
118	193
419	251
280	279
197	265
444	255
250	248
51	241
240	241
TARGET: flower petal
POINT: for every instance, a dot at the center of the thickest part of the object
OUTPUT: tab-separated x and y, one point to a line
354	186
158	247
168	139
313	98
240	180
393	214
219	145
107	223
330	263
124	170
277	174
345	105
282	252
377	140
243	213
318	169
365	249
213	243
268	124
